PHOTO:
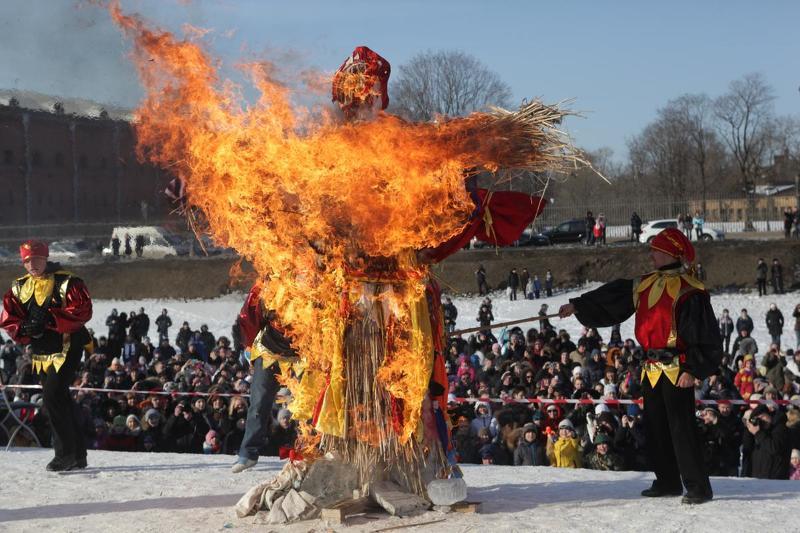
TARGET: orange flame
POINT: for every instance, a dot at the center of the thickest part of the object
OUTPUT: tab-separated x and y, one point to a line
303	196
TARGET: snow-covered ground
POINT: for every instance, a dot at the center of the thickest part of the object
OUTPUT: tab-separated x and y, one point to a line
123	492
219	313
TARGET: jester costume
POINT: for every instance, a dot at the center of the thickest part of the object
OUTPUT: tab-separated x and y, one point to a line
676	328
48	312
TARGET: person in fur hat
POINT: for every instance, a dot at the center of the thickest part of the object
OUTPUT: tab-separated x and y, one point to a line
677	330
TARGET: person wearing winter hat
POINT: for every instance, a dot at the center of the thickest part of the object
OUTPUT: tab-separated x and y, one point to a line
563	449
677	330
133	426
603	458
528	452
47	309
794	469
212	443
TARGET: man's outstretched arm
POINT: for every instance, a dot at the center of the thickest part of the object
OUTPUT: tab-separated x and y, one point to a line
605	306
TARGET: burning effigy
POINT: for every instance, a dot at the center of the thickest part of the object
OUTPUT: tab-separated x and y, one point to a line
341	212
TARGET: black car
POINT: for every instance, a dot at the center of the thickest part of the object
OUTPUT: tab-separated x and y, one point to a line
570	231
531	238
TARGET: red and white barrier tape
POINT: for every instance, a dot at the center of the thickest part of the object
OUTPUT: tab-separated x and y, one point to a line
605	401
504	401
142	392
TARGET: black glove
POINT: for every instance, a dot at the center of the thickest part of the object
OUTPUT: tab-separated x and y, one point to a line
38	320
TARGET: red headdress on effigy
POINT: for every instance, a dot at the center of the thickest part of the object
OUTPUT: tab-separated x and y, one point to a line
674	243
361	77
33	248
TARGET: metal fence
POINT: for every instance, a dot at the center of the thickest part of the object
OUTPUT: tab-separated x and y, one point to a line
723	213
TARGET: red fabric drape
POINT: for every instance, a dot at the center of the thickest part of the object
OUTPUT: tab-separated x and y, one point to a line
510	213
251	317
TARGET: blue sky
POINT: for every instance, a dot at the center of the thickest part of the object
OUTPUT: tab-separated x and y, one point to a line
621	60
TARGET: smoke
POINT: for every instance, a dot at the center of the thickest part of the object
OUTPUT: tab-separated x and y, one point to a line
65	48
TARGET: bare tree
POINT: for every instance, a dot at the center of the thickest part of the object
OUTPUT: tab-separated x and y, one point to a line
744	116
694	112
660	156
448	83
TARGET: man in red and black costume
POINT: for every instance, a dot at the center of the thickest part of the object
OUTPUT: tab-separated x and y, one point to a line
47	308
677	329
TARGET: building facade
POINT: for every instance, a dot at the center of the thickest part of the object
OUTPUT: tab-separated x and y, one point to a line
65	169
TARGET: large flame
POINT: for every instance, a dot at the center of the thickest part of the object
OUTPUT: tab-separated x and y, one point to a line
302	195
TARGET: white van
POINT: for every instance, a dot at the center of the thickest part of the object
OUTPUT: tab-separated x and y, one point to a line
158	242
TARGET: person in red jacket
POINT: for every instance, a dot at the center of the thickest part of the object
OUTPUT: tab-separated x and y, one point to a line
47	308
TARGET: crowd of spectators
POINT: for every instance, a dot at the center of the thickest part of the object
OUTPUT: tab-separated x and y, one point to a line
125	359
494	387
498	418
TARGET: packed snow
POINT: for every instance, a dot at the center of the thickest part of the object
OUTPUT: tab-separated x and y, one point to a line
174	492
219	313
124	492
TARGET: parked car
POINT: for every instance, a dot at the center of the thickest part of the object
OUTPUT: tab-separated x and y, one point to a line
654	227
69	251
158	242
530	237
6	255
570	231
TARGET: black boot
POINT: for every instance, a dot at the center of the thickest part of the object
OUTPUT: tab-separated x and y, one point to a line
657	492
62	464
696	499
80	462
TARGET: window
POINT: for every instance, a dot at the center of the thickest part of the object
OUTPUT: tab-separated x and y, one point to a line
8	157
563	228
577	227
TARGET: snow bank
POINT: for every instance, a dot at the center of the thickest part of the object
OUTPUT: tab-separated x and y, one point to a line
125	492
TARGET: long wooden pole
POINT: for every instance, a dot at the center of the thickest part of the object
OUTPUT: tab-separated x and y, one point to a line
502	324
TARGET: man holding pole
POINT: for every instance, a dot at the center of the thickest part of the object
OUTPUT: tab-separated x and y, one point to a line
677	330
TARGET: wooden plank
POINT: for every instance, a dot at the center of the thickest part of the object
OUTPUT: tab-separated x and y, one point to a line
338	513
466	507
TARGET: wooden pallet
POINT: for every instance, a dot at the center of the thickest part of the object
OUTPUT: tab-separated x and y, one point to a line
337	514
466	507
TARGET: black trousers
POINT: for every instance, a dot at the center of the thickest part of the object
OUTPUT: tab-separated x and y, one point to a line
673	442
61	410
727	339
762	287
